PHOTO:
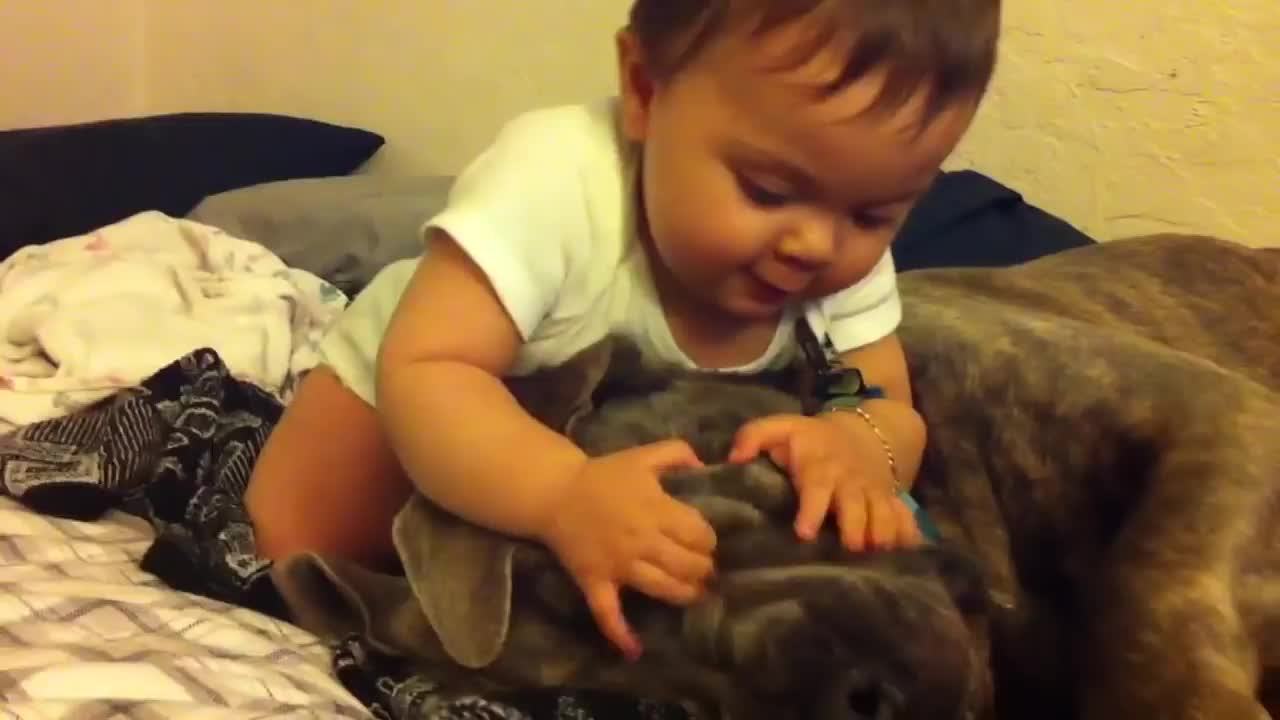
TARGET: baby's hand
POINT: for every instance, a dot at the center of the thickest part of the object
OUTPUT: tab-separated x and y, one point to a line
616	526
834	463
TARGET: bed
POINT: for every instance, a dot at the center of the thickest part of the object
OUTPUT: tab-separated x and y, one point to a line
112	604
84	632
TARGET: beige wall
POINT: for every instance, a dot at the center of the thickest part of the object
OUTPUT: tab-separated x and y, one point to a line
435	76
1128	121
64	61
1122	121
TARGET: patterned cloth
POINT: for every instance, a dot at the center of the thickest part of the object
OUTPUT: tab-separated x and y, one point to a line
86	634
177	452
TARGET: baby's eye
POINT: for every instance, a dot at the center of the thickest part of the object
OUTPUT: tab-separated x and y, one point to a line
761	195
871	221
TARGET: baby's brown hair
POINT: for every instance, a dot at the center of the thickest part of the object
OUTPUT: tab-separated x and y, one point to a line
948	45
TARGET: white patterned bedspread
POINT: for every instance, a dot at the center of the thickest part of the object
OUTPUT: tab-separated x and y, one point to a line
86	635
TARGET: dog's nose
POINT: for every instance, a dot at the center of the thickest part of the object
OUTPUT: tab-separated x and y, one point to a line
867	704
859	696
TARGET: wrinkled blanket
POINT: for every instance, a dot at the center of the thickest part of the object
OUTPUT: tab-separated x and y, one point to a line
178	450
86	634
85	316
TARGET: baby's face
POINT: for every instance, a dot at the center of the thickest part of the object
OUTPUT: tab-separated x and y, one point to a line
758	193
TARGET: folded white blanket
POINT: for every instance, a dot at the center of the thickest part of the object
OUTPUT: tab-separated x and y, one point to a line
83	317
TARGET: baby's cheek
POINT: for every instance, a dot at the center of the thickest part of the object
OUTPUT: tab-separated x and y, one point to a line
721	233
855	262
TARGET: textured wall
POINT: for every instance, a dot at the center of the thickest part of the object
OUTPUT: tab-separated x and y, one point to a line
1128	120
436	77
1122	117
65	61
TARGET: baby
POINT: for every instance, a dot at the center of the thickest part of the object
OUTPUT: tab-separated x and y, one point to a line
757	162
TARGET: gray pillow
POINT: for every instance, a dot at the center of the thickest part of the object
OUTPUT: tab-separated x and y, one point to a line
343	229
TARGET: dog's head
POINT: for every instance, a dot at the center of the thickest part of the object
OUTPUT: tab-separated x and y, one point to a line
789	630
803	630
865	636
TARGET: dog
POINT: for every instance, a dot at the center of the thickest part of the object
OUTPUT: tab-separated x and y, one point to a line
1100	468
1101	425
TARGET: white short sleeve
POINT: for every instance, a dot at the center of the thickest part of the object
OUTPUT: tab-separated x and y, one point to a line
865	312
519	211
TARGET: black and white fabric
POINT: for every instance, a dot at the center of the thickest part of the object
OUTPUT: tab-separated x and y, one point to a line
177	453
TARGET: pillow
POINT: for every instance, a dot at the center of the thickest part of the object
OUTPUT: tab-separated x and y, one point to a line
969	219
346	229
343	229
67	180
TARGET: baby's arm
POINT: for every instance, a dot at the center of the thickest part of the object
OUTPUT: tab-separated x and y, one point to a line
863	320
466	444
459	434
883	364
854	464
519	230
850	464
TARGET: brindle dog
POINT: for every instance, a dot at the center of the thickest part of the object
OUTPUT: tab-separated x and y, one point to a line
1104	442
1102	466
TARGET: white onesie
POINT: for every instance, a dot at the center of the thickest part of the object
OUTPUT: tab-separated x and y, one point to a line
546	214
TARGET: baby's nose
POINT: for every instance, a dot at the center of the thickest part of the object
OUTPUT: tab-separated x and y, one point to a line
810	247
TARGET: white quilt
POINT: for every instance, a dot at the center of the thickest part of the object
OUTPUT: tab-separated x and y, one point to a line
84	633
82	317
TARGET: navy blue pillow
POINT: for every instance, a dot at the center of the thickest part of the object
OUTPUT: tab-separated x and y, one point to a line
71	179
969	220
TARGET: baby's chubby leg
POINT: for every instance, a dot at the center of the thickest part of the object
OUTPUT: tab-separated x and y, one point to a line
327	481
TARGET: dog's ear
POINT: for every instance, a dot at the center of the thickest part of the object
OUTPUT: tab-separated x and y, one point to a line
630	374
962	577
334	598
461	576
610	368
556	396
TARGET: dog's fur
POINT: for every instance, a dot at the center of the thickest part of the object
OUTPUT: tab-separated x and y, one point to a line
1102	467
791	631
1104	443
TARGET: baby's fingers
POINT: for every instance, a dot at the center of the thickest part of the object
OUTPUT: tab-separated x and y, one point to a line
883	522
908	527
658	583
681	563
688	527
602	598
852	517
815	503
673	454
760	435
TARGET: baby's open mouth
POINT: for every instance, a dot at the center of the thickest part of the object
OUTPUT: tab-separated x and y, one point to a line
768	293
